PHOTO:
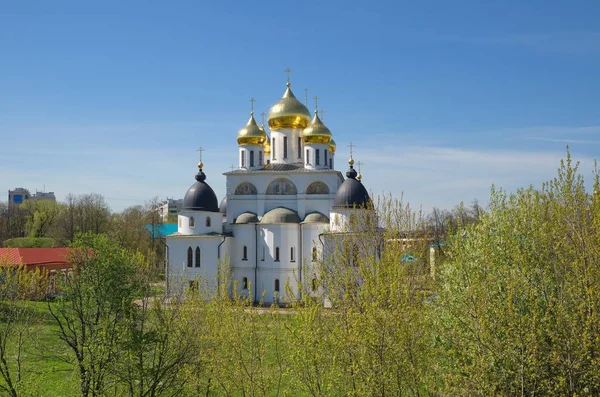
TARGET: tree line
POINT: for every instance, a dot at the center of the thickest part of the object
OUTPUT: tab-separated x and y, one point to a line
512	310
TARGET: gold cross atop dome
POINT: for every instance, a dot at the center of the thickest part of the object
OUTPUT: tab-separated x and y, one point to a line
322	114
316	98
351	160
200	150
359	163
306	97
288	71
262	115
252	100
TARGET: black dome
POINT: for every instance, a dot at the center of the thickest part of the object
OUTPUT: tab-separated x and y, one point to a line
223	206
351	193
200	196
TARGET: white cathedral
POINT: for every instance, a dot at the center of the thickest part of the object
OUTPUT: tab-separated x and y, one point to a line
285	196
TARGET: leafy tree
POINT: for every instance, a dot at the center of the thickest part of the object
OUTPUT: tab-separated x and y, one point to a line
98	298
519	301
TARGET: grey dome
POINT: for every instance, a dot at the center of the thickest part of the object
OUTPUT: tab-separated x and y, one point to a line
351	193
246	217
316	217
223	206
280	215
200	196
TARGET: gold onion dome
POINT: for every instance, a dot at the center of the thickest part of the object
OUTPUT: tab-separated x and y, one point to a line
316	132
267	147
251	134
332	146
289	112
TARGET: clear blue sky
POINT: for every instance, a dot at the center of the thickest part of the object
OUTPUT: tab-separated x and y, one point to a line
442	98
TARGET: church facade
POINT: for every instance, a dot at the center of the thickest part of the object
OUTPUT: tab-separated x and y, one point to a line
281	201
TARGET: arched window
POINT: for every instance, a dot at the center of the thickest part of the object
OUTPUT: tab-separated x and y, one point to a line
281	186
208	221
276	285
245	253
317	188
292	254
190	257
192	223
245	283
245	189
314	254
276	254
197	263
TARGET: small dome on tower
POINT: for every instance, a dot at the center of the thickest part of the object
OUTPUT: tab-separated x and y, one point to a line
267	147
200	196
316	132
251	134
351	193
223	206
332	146
289	112
280	215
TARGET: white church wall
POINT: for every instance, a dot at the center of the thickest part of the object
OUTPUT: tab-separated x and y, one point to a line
285	237
178	267
200	223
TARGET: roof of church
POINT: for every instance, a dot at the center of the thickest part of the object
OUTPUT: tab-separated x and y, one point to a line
246	217
351	193
200	196
280	215
315	217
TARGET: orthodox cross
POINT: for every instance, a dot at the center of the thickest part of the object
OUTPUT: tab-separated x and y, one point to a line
351	146
322	112
288	70
306	97
359	163
316	98
262	115
252	100
200	150
233	167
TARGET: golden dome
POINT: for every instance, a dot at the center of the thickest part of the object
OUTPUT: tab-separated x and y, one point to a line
267	148
332	146
288	112
251	134
316	132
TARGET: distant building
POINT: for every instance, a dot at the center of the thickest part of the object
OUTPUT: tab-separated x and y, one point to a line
19	195
169	207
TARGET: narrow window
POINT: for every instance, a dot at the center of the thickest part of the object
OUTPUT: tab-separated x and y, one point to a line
314	254
325	156
299	147
192	223
263	253
273	149
245	283
331	163
292	254
245	253
276	285
307	156
197	257
317	157
190	257
251	158
243	159
277	254
285	147
208	223
260	157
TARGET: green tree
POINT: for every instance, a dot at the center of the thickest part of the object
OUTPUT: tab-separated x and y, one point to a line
98	298
519	300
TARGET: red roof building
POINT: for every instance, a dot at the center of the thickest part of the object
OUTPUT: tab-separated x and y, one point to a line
46	258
